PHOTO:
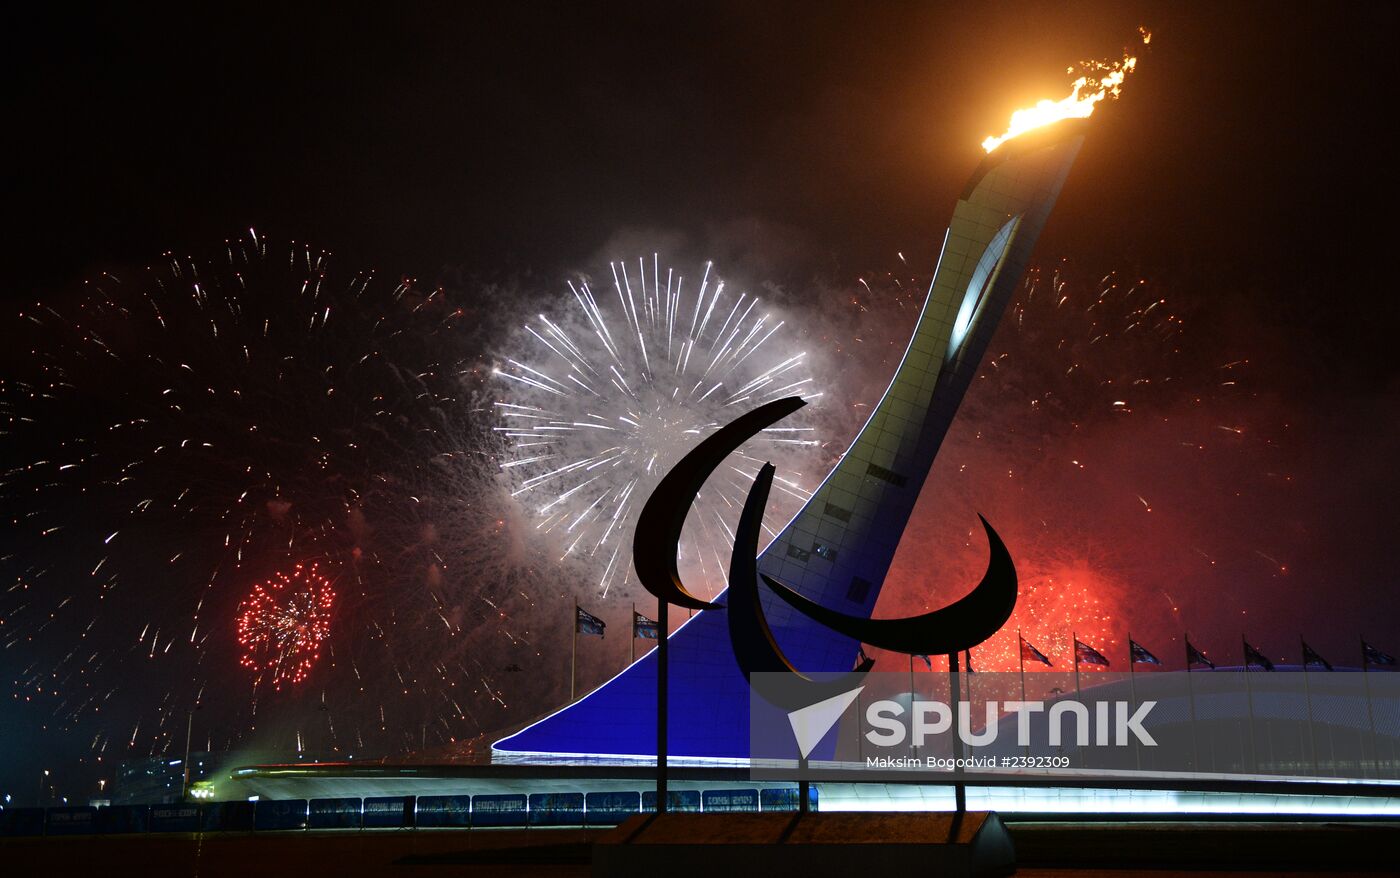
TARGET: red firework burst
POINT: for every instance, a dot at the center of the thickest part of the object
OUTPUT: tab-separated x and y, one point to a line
283	622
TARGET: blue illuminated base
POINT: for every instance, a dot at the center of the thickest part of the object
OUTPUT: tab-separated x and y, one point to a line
709	716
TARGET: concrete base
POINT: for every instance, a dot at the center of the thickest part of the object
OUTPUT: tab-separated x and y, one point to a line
817	844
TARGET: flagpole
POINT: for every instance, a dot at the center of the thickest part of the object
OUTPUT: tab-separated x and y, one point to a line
912	746
1132	678
959	788
1132	699
1074	638
1370	717
1249	695
1191	697
967	654
860	739
632	644
1074	647
573	657
189	728
1307	697
1021	656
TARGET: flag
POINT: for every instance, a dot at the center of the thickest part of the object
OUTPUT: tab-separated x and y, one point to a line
587	623
927	662
1035	655
643	627
1253	658
1311	659
862	659
1374	656
1195	657
1139	654
1086	654
967	654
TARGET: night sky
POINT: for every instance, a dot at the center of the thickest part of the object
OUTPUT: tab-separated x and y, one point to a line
1245	173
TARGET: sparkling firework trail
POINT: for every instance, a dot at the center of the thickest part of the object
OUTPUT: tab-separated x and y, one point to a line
613	393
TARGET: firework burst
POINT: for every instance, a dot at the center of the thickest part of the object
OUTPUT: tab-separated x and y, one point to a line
176	433
282	624
612	393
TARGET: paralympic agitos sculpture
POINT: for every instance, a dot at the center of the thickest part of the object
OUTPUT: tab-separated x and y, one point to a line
655	551
959	626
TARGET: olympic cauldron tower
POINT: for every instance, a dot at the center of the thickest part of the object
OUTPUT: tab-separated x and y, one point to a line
838	548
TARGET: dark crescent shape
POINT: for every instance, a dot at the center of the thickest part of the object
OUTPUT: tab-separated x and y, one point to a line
958	626
657	538
754	646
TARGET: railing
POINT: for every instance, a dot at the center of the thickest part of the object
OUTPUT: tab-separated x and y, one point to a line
519	810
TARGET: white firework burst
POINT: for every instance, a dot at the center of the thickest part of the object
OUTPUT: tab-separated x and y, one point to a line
615	390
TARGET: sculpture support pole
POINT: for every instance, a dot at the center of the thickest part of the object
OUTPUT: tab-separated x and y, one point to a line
804	788
662	706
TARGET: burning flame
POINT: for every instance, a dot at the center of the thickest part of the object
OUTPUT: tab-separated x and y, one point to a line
1100	79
